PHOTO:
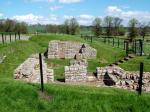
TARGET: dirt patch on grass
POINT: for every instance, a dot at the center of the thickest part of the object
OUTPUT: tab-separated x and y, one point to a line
44	96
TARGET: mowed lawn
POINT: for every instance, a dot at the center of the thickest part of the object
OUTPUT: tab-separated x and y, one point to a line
17	96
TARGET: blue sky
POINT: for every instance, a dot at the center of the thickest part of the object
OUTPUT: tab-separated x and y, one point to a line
56	11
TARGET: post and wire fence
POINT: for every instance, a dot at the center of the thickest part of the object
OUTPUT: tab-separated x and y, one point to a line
138	46
8	37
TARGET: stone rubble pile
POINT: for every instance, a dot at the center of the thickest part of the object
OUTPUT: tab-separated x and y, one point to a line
115	76
68	50
76	72
30	71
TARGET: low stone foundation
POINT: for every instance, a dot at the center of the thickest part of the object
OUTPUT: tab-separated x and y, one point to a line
68	50
76	72
30	71
115	76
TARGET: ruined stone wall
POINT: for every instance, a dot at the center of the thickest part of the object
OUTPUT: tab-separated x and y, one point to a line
115	76
30	71
68	50
76	72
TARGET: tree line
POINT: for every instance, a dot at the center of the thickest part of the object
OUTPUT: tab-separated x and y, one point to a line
112	26
8	25
109	26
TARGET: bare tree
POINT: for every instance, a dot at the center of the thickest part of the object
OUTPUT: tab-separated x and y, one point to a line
116	25
97	29
66	26
23	27
73	26
108	23
9	25
12	26
133	29
143	29
2	25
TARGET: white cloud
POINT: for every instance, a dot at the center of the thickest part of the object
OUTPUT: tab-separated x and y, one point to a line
1	14
83	19
86	17
29	18
128	14
111	10
60	1
54	8
67	17
40	1
34	19
69	1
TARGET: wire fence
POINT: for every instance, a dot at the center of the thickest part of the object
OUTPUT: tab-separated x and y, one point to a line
12	37
120	43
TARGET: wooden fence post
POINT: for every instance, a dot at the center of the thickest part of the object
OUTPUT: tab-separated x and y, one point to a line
91	39
135	46
19	35
81	35
3	38
127	48
124	45
118	42
113	42
41	72
141	78
10	37
15	36
141	47
109	41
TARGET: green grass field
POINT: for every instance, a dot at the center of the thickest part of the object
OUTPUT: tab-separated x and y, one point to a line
23	97
17	96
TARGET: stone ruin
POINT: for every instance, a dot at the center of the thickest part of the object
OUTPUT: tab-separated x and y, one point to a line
68	50
115	76
77	71
30	71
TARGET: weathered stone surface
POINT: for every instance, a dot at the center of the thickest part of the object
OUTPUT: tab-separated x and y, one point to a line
68	50
122	79
76	72
30	71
